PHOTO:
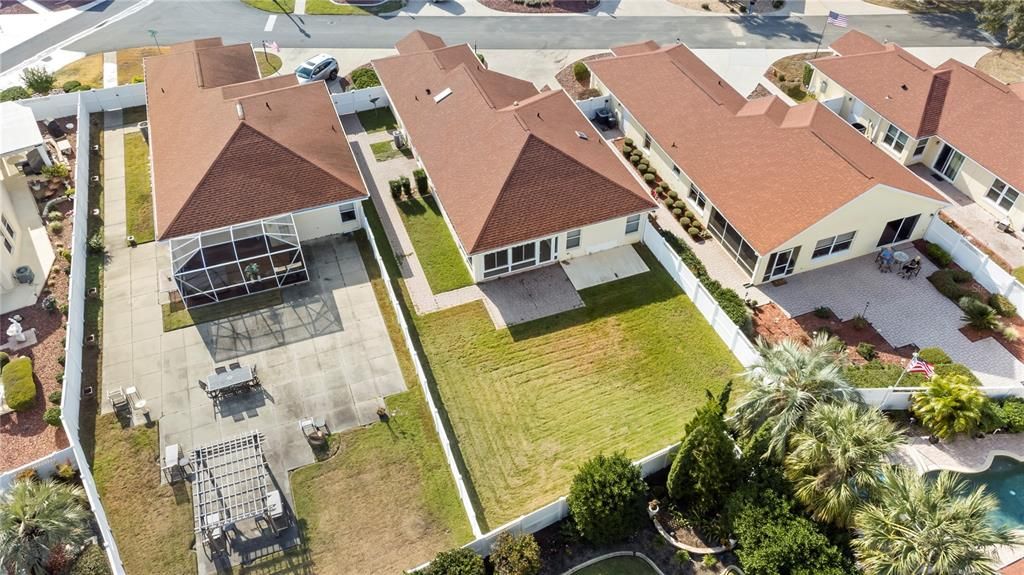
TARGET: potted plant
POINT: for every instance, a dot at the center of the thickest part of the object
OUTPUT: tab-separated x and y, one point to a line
252	272
653	506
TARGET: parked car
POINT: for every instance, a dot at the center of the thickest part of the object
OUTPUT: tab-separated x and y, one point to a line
319	67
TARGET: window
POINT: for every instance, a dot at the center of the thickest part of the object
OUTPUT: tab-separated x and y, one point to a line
7	226
8	246
676	170
697	197
823	87
835	244
1002	194
921	145
647	141
495	263
732	241
898	230
895	139
572	239
348	213
633	224
948	162
781	264
524	256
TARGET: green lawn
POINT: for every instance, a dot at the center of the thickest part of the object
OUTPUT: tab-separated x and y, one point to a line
434	245
377	120
152	523
138	194
177	316
328	7
269	63
530	403
384	151
619	566
277	6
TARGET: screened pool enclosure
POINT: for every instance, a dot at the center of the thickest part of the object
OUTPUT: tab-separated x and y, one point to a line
240	260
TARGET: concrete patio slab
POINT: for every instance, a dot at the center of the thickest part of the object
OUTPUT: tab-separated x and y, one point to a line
604	267
530	295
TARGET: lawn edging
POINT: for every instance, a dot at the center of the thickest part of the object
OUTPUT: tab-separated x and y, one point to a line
421	376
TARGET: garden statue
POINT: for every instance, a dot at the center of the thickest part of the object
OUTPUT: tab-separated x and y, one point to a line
14	331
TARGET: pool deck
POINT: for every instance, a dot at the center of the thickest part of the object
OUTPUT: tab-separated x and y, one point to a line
963	455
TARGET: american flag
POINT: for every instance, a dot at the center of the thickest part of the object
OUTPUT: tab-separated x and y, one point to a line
919	366
837	19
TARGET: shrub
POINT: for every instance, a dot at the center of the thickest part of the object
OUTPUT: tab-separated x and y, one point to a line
515	555
677	212
822	312
859	322
91	561
66	471
684	221
54	397
19	387
731	302
808	71
70	85
627	150
627	141
934	356
52	416
606	498
55	227
1018	273
365	78
54	216
649	179
674	195
396	188
709	560
4	360
95	243
683	556
651	170
795	91
705	6
422	185
38	80
866	350
14	93
29	474
1013	414
406	185
977	314
634	159
950	405
1009	333
460	561
939	256
781	77
581	73
1002	305
947	283
668	202
693	231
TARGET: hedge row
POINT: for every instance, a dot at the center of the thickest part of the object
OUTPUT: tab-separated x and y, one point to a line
875	374
731	302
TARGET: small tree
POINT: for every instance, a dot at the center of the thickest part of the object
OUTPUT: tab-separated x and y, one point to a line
950	405
706	468
37	518
459	561
38	80
515	555
999	17
581	73
365	78
606	498
14	93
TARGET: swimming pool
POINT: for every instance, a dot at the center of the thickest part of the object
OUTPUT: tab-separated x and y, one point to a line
623	565
1004	479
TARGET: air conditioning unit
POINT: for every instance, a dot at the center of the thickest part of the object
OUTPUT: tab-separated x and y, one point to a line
399	139
24	275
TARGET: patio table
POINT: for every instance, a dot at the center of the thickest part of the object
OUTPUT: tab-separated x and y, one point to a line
238	376
901	257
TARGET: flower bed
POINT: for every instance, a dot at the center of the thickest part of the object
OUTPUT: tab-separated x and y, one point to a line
567	79
541	6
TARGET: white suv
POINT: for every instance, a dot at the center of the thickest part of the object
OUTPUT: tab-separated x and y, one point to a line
319	67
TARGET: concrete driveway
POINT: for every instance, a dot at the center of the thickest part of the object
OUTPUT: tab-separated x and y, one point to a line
903	311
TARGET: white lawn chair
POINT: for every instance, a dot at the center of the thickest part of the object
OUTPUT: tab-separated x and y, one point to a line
117	398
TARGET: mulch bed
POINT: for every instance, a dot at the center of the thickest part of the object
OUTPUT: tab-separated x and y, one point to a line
14	7
567	80
346	80
554	7
772	323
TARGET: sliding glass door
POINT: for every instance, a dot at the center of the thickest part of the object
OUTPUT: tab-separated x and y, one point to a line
781	264
948	162
898	230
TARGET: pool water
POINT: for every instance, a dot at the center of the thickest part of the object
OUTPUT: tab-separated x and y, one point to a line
623	565
1004	479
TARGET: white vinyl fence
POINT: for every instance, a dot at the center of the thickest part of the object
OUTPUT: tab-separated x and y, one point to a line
591	106
360	100
730	334
45	466
966	255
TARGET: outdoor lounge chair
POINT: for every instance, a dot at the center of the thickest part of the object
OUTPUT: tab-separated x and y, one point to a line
220	369
118	399
234	365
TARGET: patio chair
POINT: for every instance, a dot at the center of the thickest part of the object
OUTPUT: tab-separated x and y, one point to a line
220	369
234	365
118	399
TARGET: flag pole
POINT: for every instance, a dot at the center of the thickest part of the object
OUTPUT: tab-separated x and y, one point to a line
913	358
820	38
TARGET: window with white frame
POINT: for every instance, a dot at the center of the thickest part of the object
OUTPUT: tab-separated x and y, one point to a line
823	87
676	170
1002	195
633	224
919	149
696	197
647	141
572	239
495	263
7	227
895	139
832	245
348	213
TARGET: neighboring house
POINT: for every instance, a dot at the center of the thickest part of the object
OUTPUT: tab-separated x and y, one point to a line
964	125
26	254
784	189
521	176
244	170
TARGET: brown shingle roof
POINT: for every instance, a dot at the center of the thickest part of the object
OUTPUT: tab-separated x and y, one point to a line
228	147
967	108
504	158
855	42
771	169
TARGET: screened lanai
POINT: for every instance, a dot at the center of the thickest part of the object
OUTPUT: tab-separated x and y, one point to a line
236	261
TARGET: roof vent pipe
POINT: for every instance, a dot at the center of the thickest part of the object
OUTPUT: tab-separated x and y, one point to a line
239	110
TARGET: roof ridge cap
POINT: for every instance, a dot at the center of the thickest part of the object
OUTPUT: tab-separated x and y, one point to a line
502	190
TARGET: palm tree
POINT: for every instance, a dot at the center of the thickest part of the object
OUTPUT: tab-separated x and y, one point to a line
837	458
950	405
35	518
923	527
788	380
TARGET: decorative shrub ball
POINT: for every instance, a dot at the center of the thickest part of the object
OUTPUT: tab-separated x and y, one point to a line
684	221
673	194
680	204
649	178
694	232
634	159
677	212
628	141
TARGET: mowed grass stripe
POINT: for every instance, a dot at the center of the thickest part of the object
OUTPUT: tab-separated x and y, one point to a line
530	403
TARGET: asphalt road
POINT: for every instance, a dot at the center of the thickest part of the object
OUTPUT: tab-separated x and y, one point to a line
177	20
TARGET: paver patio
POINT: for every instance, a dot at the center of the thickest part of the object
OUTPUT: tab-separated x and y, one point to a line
903	311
